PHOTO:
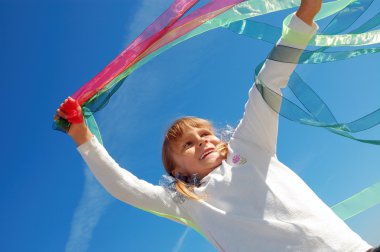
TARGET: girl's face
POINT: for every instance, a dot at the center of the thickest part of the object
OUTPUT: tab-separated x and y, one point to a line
195	153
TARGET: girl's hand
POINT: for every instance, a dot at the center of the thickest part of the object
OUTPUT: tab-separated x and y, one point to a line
72	112
308	9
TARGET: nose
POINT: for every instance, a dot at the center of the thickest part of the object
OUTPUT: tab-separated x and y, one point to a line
202	141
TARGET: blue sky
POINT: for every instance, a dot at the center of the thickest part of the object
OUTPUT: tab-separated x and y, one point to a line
50	202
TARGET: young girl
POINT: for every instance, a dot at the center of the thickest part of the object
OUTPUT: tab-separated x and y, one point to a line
238	194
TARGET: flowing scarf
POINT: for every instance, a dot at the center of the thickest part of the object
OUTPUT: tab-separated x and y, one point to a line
173	27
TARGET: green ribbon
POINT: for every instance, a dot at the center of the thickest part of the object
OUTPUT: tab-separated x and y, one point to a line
91	123
359	202
318	114
253	8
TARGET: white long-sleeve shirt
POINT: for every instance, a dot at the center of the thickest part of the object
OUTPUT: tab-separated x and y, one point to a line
253	202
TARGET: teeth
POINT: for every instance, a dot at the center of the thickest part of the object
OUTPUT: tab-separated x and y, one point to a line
205	154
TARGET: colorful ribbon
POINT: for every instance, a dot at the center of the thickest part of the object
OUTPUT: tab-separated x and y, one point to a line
169	30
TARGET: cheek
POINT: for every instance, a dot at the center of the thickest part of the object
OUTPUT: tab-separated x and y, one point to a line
184	160
215	140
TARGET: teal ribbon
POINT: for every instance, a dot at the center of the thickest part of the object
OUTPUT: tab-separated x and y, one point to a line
91	123
234	20
358	203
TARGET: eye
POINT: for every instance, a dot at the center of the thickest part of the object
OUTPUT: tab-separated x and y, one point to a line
206	133
187	144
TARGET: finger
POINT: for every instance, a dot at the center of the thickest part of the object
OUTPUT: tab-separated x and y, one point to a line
60	113
64	102
68	105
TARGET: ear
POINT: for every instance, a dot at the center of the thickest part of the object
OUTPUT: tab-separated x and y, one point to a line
175	172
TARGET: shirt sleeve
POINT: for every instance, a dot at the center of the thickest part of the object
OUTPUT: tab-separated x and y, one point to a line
259	124
125	186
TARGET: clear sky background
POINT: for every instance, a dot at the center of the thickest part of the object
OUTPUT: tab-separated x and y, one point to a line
48	49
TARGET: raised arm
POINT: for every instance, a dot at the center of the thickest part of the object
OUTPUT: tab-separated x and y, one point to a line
259	125
125	186
119	182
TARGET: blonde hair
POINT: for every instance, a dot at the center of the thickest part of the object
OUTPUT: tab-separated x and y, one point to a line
173	134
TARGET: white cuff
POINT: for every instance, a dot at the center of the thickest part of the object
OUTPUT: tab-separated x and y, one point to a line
91	144
298	24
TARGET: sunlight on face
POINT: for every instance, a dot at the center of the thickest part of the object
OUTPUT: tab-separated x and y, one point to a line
195	153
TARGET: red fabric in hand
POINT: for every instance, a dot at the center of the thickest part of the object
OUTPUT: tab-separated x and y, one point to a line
69	107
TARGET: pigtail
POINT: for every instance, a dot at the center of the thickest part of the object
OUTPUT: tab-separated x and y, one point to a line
187	190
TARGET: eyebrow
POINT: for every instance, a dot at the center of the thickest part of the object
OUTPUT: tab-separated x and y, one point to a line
179	141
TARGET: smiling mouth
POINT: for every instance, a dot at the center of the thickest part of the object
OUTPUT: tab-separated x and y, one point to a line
206	153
